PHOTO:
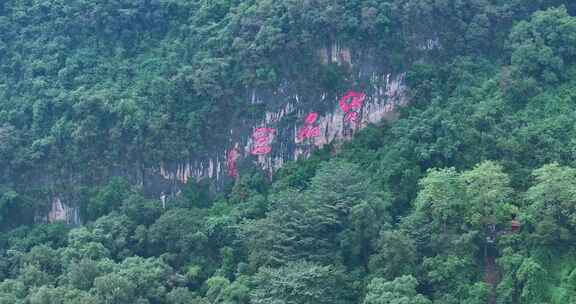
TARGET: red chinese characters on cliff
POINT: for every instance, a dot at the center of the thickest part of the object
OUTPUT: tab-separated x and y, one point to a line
351	103
309	130
262	138
231	160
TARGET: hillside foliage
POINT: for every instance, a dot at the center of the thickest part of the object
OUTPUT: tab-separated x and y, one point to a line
419	210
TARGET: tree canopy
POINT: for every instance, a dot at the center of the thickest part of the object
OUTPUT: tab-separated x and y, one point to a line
467	196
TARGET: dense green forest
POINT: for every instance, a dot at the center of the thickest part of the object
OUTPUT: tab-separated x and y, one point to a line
468	197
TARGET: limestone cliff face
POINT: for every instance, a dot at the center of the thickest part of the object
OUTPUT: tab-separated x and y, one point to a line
332	126
61	212
386	91
296	122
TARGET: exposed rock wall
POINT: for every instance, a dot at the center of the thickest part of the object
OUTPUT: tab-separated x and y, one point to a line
297	121
386	92
61	212
285	144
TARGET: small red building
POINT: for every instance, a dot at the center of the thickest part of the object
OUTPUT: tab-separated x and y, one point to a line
515	225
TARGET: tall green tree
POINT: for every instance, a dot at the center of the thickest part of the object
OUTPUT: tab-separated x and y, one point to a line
300	282
542	48
551	202
488	194
401	290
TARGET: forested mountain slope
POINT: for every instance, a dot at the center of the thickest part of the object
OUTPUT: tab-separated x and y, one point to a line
162	92
468	195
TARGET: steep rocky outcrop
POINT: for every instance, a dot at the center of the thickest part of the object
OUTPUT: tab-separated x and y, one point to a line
296	122
61	211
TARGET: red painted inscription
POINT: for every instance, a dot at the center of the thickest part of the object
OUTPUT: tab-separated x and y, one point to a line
262	138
